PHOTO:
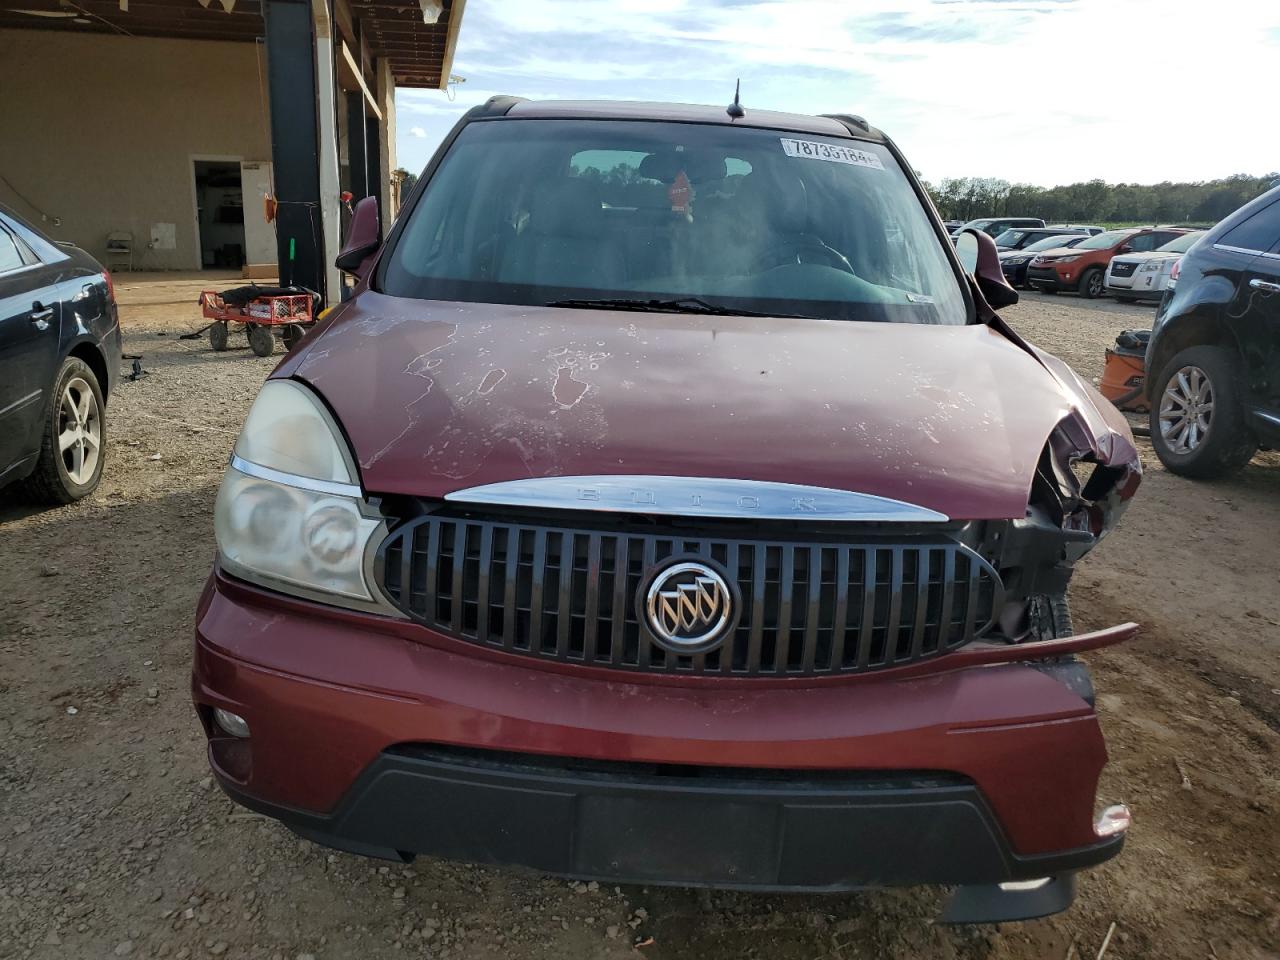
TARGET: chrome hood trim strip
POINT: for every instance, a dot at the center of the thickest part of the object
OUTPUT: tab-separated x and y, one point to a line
696	497
332	487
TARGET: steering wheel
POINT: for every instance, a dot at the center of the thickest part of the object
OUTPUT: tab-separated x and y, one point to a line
794	251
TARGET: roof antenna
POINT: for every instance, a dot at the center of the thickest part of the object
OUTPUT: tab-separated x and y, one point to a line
734	110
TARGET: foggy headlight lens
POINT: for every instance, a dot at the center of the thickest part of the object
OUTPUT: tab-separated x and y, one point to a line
290	514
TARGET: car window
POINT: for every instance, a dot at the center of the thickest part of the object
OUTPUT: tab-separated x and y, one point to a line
537	211
1259	232
1048	243
1181	243
1010	238
10	255
1146	241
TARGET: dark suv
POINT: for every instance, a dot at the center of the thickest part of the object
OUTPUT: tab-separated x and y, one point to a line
669	505
995	226
1213	362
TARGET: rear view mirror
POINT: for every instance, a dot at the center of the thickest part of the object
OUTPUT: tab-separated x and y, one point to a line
362	241
981	261
967	250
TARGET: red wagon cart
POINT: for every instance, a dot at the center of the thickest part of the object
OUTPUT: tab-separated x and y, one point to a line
264	311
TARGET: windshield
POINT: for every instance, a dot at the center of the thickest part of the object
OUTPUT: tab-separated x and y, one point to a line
1102	241
539	211
1010	238
1181	244
1048	243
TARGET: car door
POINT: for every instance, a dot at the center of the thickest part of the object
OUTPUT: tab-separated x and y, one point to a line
1255	311
30	318
1262	280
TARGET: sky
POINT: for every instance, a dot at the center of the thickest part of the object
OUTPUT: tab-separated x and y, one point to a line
1032	91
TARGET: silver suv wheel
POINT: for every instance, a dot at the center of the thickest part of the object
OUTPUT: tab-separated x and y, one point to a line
1186	409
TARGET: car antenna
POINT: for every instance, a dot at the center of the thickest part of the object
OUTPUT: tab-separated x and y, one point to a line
734	110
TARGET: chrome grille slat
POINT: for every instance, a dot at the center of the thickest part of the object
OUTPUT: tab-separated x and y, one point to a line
806	608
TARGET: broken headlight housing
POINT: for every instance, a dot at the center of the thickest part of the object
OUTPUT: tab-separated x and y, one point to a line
290	514
1084	480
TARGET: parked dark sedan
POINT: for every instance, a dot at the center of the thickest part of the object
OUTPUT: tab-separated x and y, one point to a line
59	359
1213	362
1014	262
1019	238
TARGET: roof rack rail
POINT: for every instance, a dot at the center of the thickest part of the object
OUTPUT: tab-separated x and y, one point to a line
497	106
850	120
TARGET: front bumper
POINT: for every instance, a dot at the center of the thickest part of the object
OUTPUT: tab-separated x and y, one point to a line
1015	273
1047	278
1139	286
380	737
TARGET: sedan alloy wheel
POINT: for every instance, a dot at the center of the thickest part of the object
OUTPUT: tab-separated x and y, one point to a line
79	430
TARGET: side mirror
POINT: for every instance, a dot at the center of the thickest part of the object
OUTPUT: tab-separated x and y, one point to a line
967	250
362	241
981	261
1123	248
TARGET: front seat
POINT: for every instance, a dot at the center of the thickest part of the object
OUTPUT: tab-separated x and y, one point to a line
776	224
564	243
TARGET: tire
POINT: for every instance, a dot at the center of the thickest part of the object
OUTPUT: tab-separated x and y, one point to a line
262	340
1050	617
291	334
76	414
1220	443
1091	284
218	336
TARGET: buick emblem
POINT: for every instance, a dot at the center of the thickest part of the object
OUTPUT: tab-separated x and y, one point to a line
689	607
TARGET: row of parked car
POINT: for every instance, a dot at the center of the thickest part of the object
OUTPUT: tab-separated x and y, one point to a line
1129	264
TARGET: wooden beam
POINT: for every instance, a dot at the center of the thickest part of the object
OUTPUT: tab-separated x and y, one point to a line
351	78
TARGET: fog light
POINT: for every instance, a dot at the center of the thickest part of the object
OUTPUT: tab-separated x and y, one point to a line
1113	820
233	723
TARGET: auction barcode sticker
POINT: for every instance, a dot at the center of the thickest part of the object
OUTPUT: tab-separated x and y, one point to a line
826	151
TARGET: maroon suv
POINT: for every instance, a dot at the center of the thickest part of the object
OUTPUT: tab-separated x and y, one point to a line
669	505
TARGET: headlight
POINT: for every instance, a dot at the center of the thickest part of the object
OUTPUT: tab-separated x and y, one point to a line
1068	259
1016	261
290	514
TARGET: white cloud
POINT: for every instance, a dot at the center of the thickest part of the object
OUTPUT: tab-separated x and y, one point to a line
417	132
1046	91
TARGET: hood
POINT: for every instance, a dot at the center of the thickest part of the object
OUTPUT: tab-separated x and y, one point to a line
1053	253
1145	256
437	397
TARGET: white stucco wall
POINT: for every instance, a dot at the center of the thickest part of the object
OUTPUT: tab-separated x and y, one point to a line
100	131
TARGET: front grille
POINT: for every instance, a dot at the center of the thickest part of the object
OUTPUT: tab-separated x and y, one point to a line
1123	269
569	595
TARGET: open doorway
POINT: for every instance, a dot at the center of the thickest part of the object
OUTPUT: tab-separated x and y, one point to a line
220	214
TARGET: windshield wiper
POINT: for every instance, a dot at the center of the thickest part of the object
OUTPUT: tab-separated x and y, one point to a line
676	305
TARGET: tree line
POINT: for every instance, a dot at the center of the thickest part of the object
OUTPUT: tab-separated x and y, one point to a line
1095	201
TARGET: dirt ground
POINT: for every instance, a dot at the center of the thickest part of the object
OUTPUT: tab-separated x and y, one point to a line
114	843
